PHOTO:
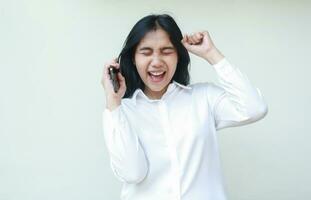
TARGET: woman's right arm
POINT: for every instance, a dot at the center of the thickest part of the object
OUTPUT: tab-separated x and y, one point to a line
127	157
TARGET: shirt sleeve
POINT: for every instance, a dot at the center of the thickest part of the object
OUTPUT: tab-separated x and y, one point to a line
127	157
235	101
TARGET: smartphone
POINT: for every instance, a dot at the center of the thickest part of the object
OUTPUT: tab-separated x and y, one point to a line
113	72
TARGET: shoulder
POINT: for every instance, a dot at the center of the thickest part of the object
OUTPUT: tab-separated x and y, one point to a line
207	90
127	103
128	106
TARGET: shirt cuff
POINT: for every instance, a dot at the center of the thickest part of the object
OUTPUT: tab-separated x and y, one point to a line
113	112
113	117
223	67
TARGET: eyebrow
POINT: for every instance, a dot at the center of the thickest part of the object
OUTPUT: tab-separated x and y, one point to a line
163	48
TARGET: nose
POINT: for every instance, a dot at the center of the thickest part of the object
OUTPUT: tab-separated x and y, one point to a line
156	61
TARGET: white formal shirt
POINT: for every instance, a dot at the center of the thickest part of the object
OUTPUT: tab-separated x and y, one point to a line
167	149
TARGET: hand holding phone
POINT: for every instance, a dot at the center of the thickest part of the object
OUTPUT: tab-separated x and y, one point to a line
113	72
114	84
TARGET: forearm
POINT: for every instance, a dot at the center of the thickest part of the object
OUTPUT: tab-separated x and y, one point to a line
127	157
213	56
241	102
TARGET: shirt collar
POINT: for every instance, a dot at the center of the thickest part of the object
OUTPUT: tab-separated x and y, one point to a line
170	87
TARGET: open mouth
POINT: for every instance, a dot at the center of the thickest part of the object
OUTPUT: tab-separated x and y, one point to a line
156	76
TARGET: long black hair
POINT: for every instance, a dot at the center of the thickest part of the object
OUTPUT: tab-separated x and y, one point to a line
143	26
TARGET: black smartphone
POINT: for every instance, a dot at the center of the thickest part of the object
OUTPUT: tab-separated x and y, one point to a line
113	72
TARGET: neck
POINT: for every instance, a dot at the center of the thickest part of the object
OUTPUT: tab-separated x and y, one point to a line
155	94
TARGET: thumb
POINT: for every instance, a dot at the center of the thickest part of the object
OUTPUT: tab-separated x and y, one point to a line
121	77
185	43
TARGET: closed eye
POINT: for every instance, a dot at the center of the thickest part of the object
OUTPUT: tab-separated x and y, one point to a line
168	52
146	53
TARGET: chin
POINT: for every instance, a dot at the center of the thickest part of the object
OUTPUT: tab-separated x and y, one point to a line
157	89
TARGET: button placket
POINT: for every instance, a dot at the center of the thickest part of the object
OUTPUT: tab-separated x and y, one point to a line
172	147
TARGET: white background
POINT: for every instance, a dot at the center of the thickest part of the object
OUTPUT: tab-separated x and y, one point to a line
51	101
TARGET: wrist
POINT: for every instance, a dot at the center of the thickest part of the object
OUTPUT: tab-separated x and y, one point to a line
112	103
213	56
112	107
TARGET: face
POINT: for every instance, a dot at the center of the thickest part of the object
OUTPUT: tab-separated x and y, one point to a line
156	60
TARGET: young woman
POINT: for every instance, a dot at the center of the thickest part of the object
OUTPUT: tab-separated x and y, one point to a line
160	131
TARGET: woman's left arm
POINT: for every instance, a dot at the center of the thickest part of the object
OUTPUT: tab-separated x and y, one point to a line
236	102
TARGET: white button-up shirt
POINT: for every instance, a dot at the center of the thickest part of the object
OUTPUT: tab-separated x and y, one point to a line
167	149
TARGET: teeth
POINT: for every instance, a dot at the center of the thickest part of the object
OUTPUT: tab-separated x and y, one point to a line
156	73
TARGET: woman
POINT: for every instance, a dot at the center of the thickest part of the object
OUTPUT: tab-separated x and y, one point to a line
160	131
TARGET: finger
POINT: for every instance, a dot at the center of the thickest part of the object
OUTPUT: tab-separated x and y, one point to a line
198	36
190	39
105	69
120	77
185	38
205	33
114	64
105	79
105	75
185	42
194	38
106	72
107	65
121	80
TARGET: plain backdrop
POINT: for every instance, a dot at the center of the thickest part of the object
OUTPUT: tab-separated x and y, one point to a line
52	54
